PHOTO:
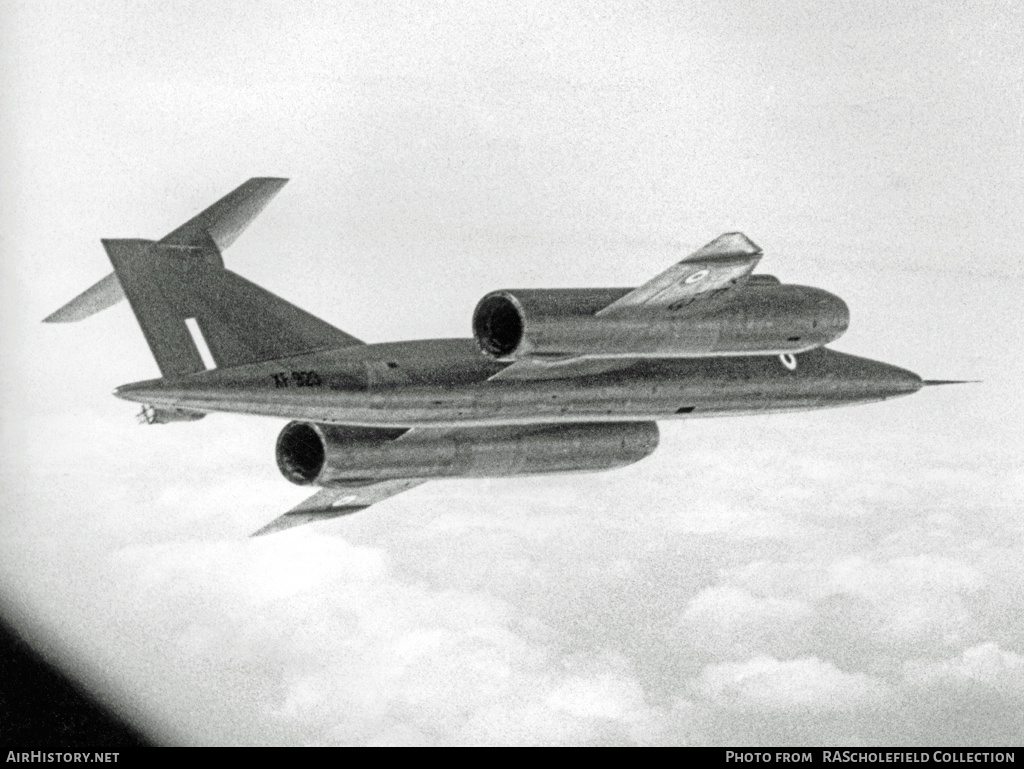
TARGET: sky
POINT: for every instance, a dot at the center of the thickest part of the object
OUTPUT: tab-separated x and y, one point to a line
844	577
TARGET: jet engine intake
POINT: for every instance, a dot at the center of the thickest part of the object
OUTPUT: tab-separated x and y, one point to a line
322	455
762	317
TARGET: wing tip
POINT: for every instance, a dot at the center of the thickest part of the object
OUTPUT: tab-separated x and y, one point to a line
58	317
729	244
302	517
270	181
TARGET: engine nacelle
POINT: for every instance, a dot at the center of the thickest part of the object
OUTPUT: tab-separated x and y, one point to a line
321	455
761	317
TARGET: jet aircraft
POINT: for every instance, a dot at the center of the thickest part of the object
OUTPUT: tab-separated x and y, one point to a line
553	380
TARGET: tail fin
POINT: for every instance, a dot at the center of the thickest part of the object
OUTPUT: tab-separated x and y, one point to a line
181	278
222	223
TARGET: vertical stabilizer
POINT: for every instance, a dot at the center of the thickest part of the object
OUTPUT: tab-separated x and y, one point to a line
170	288
194	313
137	264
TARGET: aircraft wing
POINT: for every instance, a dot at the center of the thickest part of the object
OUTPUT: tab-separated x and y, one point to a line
336	501
717	266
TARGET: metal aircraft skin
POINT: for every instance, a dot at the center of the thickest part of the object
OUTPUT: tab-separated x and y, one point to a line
553	381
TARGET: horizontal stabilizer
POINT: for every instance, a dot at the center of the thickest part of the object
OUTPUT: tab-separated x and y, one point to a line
228	217
336	501
716	267
206	234
106	293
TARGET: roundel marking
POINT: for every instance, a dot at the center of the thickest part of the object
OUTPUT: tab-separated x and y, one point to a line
788	360
697	276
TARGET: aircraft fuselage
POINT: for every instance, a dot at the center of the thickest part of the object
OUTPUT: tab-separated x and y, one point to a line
444	382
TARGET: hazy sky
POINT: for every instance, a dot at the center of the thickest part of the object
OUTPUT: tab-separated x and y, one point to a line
842	577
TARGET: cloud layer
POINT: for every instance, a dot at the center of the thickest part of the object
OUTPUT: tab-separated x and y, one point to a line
661	604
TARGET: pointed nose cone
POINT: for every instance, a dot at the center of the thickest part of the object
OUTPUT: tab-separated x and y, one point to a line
883	380
856	379
901	381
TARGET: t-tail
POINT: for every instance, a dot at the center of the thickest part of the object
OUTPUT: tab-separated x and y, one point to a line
191	307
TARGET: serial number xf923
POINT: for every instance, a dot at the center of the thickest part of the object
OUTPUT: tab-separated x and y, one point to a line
297	379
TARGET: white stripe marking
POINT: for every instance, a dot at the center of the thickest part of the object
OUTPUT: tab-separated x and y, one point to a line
200	342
